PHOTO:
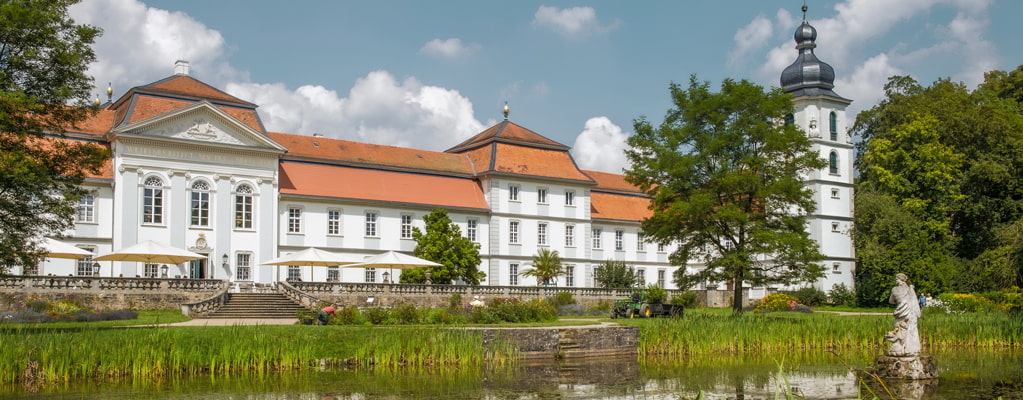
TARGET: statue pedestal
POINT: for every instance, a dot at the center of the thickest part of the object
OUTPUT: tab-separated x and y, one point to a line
907	367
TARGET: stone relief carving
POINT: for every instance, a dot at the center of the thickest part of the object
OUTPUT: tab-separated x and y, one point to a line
197	128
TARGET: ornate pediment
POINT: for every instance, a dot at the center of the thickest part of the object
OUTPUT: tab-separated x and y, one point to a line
201	122
198	128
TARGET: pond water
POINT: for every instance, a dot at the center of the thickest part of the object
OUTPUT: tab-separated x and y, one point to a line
964	375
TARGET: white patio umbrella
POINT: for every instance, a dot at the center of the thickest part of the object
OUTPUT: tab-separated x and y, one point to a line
312	257
57	249
151	252
393	260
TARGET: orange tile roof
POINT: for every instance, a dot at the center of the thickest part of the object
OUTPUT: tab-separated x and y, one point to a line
372	154
48	142
150	106
507	131
98	124
189	86
619	207
376	185
526	161
609	181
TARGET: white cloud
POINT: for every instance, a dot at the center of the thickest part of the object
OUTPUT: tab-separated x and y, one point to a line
866	84
571	22
449	48
601	146
753	35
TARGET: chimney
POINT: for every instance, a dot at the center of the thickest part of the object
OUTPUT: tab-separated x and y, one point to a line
181	67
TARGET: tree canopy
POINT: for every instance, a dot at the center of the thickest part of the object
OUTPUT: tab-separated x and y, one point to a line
442	242
44	90
725	177
940	165
546	267
614	274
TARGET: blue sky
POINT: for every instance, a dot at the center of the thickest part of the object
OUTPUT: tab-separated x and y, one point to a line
428	74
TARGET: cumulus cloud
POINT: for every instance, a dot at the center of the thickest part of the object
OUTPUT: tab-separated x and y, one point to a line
449	48
140	45
571	22
752	36
601	146
866	84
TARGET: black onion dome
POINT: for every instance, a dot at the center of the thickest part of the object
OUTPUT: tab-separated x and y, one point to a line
808	76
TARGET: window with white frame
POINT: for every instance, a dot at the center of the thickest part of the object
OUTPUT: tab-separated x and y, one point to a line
569	198
836	268
334	222
406	226
660	247
619	240
569	275
569	235
152	201
513	274
243	207
640	242
513	192
200	206
333	274
833	163
243	261
513	232
834	194
294	273
294	220
596	237
641	276
87	208
371	275
660	278
151	270
541	234
541	195
834	226
371	224
471	225
84	265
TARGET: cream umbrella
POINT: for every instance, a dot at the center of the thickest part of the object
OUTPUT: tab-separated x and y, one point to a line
393	260
57	249
312	257
151	252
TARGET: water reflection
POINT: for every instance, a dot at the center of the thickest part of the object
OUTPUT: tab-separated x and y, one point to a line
965	375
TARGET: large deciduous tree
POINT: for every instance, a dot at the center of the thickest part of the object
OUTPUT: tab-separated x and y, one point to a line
44	90
726	180
614	274
443	243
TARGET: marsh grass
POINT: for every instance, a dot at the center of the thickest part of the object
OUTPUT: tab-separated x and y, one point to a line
62	355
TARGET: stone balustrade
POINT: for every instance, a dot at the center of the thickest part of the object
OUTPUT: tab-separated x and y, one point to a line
208	305
109	293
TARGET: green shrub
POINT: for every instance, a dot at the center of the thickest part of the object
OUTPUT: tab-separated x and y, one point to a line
406	314
562	299
348	315
445	316
655	294
777	302
840	295
602	307
455	301
965	302
687	299
809	296
377	315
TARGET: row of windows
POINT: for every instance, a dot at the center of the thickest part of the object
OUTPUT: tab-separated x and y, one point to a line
541	237
334	224
832	124
199	204
541	195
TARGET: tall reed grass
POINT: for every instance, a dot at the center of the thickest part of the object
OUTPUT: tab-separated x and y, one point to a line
61	355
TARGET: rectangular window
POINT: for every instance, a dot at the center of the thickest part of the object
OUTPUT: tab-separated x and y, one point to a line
200	206
660	278
406	226
513	193
641	277
152	202
371	275
541	234
834	226
541	195
619	240
660	247
596	237
243	208
834	193
84	265
334	222
371	224
836	268
470	229
294	273
513	274
513	232
640	242
151	270
294	220
569	275
333	274
569	198
569	235
87	208
244	263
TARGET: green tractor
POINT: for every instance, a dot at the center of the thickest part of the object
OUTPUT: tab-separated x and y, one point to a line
641	305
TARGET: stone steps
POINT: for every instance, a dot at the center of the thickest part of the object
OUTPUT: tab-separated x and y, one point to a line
257	305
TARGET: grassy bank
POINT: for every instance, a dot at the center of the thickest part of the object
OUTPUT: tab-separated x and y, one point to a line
59	355
712	331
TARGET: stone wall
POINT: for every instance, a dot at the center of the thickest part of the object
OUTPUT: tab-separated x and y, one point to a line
567	342
109	293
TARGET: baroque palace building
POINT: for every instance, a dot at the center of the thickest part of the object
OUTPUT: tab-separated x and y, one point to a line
194	167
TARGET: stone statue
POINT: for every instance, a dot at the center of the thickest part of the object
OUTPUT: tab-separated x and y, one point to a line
904	336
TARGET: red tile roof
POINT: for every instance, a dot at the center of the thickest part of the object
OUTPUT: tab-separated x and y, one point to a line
98	124
371	154
526	161
619	207
612	182
376	185
189	86
508	132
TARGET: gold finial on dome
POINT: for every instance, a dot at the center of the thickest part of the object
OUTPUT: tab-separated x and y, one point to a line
96	102
506	111
110	92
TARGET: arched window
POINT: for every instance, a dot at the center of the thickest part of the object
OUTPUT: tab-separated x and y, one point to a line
833	125
152	201
200	204
833	163
790	119
243	207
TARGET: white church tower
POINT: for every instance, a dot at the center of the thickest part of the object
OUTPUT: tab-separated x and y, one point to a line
821	113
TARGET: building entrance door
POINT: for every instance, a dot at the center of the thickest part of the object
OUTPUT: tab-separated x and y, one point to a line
197	269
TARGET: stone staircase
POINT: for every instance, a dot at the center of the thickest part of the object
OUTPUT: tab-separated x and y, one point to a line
257	305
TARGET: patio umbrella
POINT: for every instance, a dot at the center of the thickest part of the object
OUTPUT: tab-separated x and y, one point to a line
312	257
151	252
394	260
57	249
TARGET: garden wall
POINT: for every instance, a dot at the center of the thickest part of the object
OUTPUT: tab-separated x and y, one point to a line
567	342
